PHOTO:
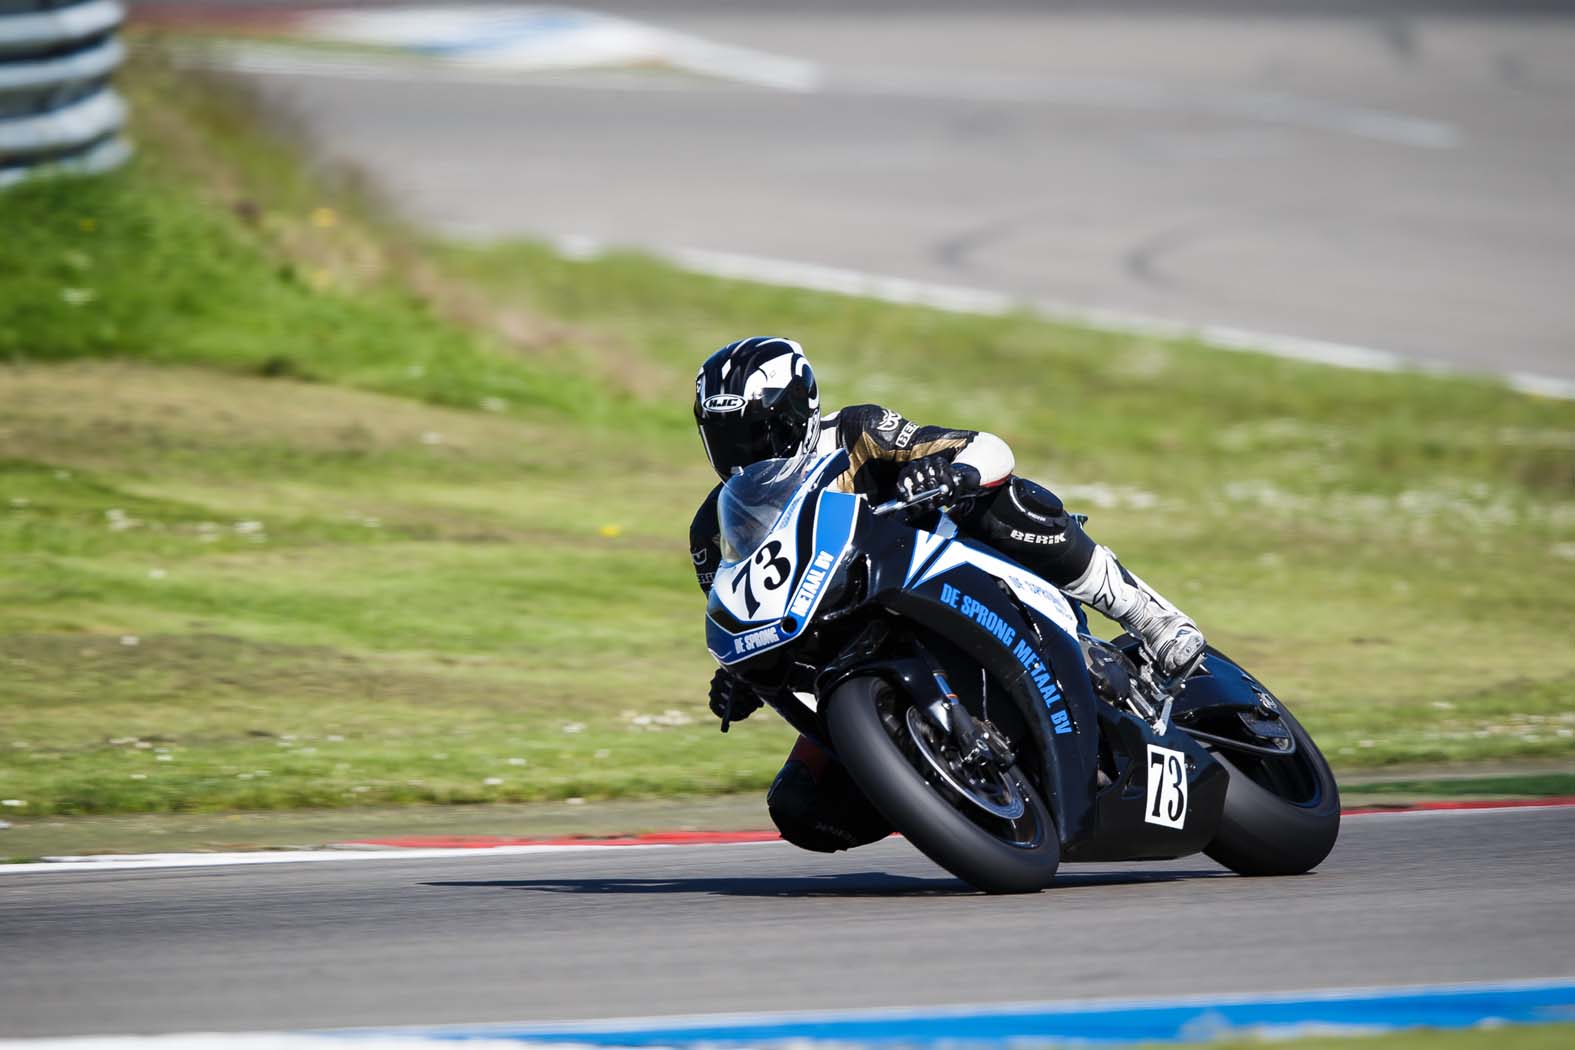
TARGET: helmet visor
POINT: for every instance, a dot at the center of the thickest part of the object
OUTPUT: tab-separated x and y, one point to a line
732	441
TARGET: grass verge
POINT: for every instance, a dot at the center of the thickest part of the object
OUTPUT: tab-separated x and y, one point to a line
298	510
1521	785
1497	1037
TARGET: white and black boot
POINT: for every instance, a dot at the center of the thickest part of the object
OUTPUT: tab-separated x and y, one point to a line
1171	639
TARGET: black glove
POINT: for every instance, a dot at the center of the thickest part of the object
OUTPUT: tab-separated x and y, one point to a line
725	686
949	481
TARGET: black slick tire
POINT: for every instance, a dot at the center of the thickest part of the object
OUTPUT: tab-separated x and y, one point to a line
1261	833
923	816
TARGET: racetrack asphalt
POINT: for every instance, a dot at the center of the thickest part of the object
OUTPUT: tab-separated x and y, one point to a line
1395	181
1414	898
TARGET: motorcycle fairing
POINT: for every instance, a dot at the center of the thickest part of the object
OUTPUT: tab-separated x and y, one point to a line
940	552
811	535
922	576
1000	637
1122	833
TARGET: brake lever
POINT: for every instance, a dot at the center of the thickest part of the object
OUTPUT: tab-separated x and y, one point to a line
896	505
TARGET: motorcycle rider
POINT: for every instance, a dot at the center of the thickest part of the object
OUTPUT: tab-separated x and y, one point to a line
757	399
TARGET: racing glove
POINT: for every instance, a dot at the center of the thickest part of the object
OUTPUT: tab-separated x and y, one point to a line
726	686
949	481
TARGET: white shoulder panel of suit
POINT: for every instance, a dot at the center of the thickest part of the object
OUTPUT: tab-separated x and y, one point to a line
990	456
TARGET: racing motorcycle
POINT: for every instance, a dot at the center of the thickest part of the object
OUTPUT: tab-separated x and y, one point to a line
971	704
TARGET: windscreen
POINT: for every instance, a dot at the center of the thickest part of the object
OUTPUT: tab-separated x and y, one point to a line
751	501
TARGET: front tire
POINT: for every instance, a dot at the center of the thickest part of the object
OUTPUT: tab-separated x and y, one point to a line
865	717
1282	815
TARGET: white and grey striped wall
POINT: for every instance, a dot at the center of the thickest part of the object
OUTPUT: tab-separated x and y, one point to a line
58	109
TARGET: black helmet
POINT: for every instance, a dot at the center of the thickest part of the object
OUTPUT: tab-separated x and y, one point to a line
756	399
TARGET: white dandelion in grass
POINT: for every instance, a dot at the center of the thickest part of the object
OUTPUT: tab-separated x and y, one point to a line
573	727
493	782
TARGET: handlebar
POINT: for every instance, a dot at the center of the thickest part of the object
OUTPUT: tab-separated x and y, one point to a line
896	505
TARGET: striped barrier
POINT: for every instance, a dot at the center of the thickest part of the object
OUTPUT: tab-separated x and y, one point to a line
58	111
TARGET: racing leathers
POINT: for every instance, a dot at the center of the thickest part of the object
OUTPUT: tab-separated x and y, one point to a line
813	801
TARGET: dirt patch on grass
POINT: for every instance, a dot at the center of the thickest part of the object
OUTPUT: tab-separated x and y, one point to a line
99	413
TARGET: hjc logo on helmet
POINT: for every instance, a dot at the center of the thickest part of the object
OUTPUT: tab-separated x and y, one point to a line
722	403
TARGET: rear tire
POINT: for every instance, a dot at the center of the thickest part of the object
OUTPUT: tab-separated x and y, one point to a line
1282	815
857	716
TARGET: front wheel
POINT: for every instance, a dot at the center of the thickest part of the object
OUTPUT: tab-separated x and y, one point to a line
990	828
1282	814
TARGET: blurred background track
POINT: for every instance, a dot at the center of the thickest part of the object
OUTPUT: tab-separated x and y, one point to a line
1383	175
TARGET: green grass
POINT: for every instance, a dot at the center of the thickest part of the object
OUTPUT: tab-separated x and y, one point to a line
1501	1037
299	510
1523	785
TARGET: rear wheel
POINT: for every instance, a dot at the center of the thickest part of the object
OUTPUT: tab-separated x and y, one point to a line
988	826
1282	813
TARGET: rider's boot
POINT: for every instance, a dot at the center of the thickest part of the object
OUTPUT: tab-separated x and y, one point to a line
1171	639
816	805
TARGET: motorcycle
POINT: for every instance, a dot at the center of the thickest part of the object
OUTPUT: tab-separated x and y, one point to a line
969	701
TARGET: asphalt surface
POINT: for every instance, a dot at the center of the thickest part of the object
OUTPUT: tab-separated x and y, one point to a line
1415	898
1397	180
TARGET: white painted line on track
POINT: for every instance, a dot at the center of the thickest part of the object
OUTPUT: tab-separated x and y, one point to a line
954	299
524	39
164	861
157	861
285	61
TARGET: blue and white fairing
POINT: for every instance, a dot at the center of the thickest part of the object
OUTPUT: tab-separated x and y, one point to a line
778	562
937	553
766	593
